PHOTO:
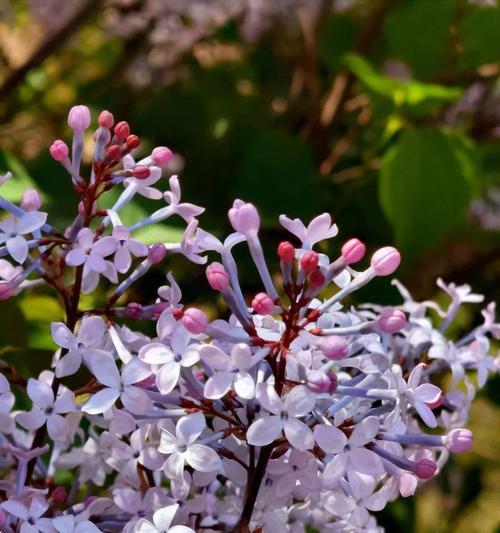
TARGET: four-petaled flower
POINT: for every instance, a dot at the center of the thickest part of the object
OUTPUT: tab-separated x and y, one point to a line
13	228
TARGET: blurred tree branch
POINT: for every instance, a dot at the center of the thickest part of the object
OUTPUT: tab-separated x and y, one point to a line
52	43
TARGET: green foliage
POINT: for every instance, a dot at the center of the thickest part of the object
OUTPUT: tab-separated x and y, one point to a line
479	31
417	96
424	187
417	32
13	189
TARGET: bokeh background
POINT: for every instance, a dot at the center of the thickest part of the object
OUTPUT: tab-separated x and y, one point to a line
385	113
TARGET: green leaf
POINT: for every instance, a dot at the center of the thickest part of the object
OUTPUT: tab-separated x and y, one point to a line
425	187
158	233
420	97
417	33
336	38
13	189
479	33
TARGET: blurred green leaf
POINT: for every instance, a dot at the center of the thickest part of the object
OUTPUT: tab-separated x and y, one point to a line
417	33
275	173
479	33
13	189
336	38
424	187
420	97
158	233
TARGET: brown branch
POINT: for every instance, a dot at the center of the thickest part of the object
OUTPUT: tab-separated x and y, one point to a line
49	46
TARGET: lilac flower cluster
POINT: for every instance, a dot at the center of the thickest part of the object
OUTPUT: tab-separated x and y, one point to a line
294	411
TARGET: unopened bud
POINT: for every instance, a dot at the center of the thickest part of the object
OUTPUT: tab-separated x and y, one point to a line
106	120
385	261
334	347
309	262
133	310
262	303
122	130
244	217
195	320
161	155
425	469
141	172
132	142
391	320
286	251
6	290
31	200
59	494
321	382
353	251
316	279
59	150
79	118
217	276
157	253
459	440
114	152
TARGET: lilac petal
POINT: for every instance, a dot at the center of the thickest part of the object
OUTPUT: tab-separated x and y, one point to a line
264	430
137	248
426	414
298	434
190	427
167	377
17	248
168	442
164	517
330	439
300	401
123	259
32	419
202	458
104	369
76	257
16	509
31	221
62	335
175	465
143	526
135	371
91	331
85	237
136	401
68	364
334	470
104	247
362	485
156	354
365	461
101	401
244	385
214	357
57	427
365	431
218	385
269	398
96	263
427	393
40	393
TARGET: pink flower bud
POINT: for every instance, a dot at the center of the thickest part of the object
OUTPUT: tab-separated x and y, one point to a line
106	120
31	200
114	152
157	253
309	262
195	320
391	320
161	155
321	382
79	118
459	440
132	142
59	494
141	172
158	308
286	252
334	347
6	290
244	217
122	130
262	303
385	261
217	276
133	310
316	279
59	150
425	469
353	251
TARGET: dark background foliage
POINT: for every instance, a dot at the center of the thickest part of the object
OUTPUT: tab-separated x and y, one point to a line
385	113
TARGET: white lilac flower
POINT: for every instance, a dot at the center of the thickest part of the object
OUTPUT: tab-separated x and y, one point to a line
31	517
79	347
180	354
162	520
13	229
284	417
71	524
182	448
126	247
47	410
230	371
118	386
